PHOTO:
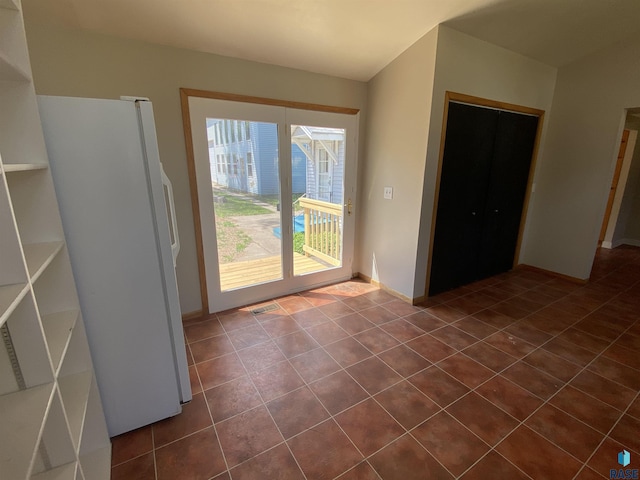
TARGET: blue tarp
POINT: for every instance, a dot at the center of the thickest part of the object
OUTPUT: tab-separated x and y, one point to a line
298	226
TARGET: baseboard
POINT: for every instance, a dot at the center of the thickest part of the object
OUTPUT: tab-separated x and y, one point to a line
382	286
607	245
628	241
191	315
562	276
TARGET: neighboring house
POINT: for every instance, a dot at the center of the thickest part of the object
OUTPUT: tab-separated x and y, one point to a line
243	156
324	152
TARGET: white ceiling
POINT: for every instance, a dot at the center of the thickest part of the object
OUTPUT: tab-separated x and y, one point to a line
348	38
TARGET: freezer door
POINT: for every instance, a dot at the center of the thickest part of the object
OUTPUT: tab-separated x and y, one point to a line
166	247
118	242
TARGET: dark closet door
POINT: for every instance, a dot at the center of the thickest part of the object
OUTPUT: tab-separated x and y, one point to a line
512	153
464	181
483	182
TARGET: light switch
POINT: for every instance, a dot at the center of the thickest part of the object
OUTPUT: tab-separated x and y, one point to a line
388	193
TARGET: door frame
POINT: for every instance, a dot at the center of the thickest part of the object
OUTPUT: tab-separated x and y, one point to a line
494	104
185	94
615	183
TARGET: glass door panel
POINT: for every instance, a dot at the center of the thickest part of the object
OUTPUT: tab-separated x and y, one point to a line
245	186
275	198
318	201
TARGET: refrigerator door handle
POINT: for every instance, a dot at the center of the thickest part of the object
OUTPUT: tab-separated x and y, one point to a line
175	239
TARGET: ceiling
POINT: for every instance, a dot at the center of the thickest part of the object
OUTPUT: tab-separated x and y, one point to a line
348	38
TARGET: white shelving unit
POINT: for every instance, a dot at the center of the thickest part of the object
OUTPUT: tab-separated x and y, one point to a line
52	424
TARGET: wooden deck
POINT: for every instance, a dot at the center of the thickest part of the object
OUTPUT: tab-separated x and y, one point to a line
250	272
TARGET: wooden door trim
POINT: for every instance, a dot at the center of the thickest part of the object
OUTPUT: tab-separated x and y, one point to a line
185	93
482	102
233	97
614	184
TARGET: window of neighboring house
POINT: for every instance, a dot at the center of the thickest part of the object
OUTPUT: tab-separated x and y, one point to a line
217	132
235	164
247	130
218	164
323	163
227	131
250	164
232	128
228	160
239	130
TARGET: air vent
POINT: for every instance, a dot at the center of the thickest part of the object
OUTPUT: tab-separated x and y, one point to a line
265	308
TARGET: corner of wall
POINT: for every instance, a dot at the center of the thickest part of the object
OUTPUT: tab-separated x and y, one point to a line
399	105
467	65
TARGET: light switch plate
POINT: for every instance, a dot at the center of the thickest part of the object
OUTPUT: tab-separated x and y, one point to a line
388	193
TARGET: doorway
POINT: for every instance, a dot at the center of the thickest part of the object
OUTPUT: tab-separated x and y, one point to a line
486	158
620	225
274	186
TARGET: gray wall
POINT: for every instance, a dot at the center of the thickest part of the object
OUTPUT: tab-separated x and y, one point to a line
474	67
584	101
77	63
396	145
406	106
577	164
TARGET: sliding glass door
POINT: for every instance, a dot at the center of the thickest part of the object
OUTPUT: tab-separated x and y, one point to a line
276	197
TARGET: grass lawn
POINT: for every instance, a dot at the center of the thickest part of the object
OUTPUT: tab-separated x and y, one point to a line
239	205
231	240
236	206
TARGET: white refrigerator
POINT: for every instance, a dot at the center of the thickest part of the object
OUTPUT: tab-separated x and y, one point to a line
122	243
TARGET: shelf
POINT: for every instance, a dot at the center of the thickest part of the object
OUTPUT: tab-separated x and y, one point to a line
57	328
10	297
52	424
63	472
97	465
75	396
10	4
23	167
21	417
39	256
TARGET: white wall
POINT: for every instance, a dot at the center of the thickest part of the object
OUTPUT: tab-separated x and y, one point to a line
470	66
579	158
399	103
76	63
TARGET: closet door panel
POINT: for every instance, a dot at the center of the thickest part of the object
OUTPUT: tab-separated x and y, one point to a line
509	174
463	190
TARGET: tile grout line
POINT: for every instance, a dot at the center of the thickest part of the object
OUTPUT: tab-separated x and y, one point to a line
598	355
404	343
545	401
264	404
332	416
153	447
224	455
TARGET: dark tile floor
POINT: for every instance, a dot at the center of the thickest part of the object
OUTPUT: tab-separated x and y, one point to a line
519	376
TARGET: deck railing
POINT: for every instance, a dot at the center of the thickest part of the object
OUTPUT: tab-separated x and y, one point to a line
322	230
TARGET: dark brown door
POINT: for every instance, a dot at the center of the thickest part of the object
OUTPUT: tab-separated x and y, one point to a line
485	169
511	161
